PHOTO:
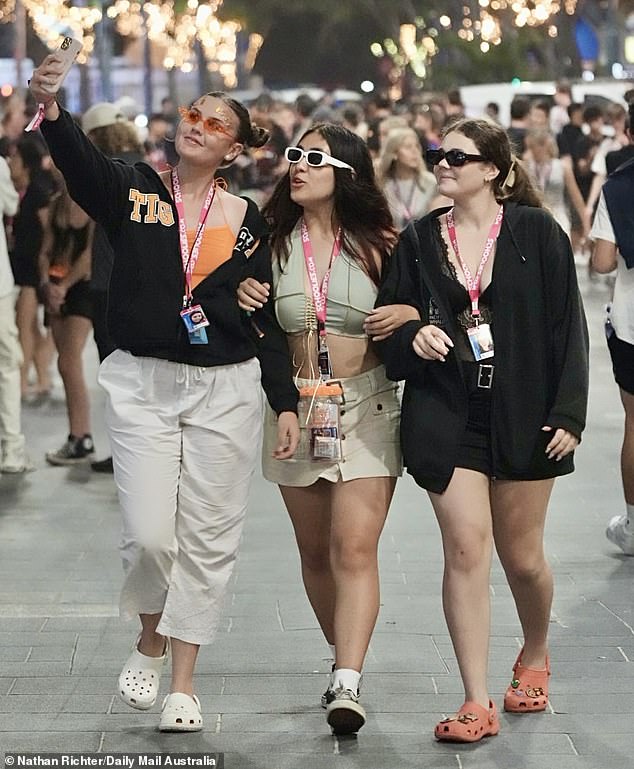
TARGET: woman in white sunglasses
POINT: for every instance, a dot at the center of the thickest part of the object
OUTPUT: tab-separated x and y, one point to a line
331	233
495	398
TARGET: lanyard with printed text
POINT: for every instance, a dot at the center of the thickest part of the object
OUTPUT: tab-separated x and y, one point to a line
190	258
473	284
320	293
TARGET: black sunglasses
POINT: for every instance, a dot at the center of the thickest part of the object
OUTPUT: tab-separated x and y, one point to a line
453	157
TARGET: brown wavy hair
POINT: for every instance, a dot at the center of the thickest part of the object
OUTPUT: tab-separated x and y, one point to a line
360	208
494	145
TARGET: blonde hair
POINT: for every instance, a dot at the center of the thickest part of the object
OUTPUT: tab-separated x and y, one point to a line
387	159
544	137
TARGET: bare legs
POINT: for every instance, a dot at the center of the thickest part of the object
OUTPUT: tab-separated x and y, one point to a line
70	334
464	515
519	514
309	511
37	344
337	527
627	450
184	654
472	514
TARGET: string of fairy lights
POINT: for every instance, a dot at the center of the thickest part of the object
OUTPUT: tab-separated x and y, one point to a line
478	22
173	26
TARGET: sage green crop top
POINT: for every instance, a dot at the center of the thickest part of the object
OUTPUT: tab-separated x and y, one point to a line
351	294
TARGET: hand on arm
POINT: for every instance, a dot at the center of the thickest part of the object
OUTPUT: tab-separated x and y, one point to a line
252	295
383	321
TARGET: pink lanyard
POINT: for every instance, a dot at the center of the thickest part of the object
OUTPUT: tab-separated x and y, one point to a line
473	284
190	258
320	293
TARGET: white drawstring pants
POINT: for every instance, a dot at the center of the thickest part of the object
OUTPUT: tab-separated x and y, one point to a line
185	441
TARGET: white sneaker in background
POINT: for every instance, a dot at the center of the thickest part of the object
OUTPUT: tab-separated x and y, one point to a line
619	535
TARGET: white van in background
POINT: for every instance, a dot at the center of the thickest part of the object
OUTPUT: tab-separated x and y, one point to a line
476	97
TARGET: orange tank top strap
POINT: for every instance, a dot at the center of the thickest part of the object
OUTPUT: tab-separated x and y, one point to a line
215	249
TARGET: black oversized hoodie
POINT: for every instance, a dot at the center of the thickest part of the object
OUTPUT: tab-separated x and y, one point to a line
541	350
147	282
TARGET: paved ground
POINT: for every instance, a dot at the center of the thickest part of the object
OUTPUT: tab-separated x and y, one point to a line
62	645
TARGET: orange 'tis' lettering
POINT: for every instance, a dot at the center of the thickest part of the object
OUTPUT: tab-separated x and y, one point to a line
139	199
156	210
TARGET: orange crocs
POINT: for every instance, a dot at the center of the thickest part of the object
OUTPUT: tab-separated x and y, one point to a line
528	690
470	724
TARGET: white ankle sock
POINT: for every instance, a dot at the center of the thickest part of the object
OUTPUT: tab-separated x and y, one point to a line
346	678
629	523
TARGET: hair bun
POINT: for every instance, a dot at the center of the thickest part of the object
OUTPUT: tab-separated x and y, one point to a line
258	137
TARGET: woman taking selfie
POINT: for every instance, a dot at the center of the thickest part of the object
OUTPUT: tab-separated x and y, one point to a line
183	385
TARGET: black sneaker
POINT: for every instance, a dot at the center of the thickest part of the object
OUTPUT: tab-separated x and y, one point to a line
328	696
73	452
345	715
103	466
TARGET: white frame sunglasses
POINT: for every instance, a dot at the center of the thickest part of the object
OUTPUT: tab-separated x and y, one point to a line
318	160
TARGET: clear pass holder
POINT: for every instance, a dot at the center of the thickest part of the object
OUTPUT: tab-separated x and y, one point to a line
319	407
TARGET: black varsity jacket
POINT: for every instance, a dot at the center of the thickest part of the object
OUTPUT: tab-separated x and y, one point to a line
147	281
541	351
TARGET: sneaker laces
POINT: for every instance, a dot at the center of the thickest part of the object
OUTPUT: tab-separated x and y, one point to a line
346	694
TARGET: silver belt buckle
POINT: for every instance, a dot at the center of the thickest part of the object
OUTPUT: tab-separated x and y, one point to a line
485	376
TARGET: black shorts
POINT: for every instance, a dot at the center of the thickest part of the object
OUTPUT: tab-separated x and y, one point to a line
78	300
622	354
474	451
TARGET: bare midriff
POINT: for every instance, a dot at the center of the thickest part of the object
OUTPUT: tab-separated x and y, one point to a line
349	355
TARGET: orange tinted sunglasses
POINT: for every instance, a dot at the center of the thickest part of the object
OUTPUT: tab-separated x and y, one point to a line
211	125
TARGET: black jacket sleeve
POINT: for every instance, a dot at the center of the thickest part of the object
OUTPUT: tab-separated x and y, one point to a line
400	285
95	182
569	334
269	337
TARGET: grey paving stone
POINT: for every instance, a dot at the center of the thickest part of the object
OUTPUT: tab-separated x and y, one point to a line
54	703
34	742
38	669
16	653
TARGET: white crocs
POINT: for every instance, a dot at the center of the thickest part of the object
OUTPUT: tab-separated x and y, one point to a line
140	678
181	713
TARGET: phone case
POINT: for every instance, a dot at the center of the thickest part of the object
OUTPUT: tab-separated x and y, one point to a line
67	52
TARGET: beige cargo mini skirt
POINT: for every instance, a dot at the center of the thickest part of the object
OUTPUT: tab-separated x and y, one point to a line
370	444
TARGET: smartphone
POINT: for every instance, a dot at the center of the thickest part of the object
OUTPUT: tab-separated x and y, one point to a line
67	52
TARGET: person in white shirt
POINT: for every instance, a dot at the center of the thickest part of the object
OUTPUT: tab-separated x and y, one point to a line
606	257
13	458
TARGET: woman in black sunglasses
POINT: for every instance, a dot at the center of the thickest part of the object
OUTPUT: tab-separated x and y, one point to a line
329	219
496	377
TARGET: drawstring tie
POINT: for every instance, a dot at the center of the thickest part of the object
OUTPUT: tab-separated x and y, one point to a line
186	374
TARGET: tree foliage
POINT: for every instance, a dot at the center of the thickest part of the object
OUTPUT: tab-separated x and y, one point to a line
337	34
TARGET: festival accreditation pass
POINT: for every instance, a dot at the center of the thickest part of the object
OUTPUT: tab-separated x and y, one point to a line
117	760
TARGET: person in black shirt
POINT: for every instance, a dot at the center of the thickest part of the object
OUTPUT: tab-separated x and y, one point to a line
35	185
495	398
183	385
